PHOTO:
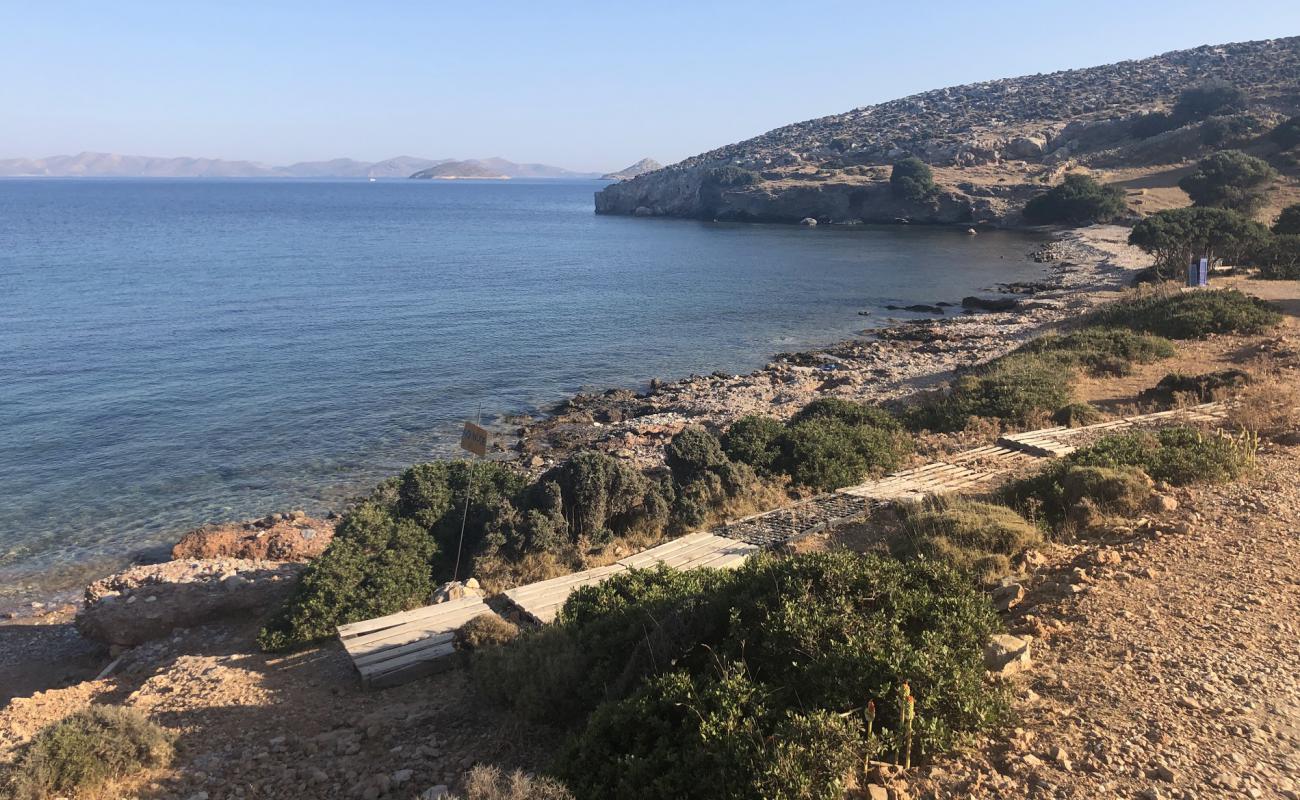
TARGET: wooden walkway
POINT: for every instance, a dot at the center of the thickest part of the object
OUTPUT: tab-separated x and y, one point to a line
399	647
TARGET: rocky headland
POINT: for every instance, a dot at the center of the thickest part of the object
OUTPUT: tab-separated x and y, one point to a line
992	145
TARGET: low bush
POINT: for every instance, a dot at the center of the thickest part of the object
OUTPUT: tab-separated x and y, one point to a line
1075	415
1176	455
912	180
1064	491
1027	385
1207	99
978	538
1114	474
88	751
1078	200
1229	179
1288	221
828	444
1286	135
1101	350
755	440
485	630
749	683
1201	388
1189	315
1269	407
375	565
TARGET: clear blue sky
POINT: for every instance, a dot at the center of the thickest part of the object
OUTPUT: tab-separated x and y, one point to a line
584	85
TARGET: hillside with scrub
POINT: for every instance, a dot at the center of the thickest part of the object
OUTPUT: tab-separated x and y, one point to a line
990	147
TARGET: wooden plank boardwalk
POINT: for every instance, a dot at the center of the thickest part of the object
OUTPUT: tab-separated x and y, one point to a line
541	602
403	646
396	648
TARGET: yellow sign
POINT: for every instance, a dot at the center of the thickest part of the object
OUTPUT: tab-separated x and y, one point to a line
474	439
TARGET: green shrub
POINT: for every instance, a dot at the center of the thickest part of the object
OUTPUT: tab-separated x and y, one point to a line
826	453
1176	236
681	737
1203	388
1208	99
978	538
375	565
1189	315
1101	350
693	452
1229	130
601	495
847	412
1078	200
1064	490
912	180
1153	124
754	440
1076	415
87	751
1015	388
1288	222
1286	135
1176	455
1229	179
1278	257
654	652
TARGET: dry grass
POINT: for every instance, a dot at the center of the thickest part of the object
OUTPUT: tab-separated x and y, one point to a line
486	782
1269	407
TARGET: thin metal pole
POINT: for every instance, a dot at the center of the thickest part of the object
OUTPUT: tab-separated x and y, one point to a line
469	490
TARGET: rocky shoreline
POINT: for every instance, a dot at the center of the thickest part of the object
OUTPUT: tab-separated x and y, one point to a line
882	364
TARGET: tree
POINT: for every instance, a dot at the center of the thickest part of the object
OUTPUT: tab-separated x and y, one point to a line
1287	135
912	180
1278	257
1229	179
1208	99
1176	236
1079	200
1288	222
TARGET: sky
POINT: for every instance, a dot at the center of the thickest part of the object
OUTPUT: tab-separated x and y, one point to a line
584	85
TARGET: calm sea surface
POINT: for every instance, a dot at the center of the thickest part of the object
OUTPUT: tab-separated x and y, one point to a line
175	352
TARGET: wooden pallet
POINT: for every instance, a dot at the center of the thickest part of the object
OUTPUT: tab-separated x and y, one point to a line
541	602
694	551
399	647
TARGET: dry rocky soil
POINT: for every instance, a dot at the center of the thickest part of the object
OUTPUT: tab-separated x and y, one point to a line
1164	662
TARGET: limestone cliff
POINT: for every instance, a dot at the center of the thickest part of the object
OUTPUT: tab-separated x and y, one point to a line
992	144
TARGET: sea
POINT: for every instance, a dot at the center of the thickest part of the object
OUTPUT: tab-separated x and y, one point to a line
174	352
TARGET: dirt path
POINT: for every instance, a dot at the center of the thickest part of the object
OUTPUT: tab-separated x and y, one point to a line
1171	668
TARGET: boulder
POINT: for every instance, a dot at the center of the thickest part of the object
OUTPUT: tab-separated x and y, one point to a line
276	537
148	602
1005	655
989	303
808	222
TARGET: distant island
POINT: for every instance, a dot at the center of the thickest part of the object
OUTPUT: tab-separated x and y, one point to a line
495	169
114	165
627	173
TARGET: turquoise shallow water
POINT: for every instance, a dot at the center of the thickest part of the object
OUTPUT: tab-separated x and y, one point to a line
174	352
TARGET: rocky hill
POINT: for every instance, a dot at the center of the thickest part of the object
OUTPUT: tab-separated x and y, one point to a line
992	144
627	173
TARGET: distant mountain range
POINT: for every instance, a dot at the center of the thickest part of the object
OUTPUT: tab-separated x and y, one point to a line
112	165
639	168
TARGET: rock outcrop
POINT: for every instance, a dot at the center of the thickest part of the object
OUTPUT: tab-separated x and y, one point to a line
993	144
293	536
149	602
